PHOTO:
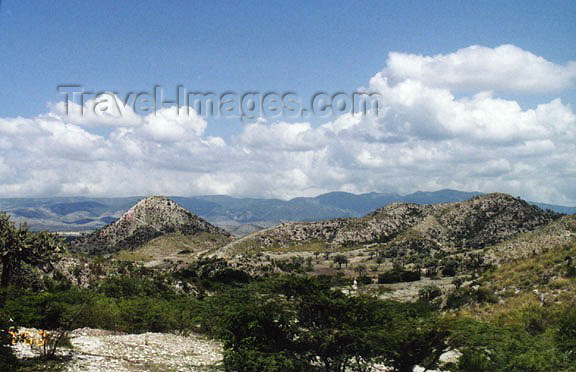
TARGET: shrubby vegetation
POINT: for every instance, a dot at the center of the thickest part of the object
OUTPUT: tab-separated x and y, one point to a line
534	339
298	323
301	323
18	247
295	322
278	323
469	295
397	276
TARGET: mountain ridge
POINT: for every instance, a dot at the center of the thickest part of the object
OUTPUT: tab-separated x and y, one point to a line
237	215
476	223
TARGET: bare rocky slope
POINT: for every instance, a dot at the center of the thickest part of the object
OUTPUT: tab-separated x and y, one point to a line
476	223
148	219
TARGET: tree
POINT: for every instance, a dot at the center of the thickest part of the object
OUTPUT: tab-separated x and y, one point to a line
297	323
18	245
415	339
340	259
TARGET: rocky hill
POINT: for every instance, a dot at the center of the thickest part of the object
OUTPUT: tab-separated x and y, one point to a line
555	235
476	223
148	219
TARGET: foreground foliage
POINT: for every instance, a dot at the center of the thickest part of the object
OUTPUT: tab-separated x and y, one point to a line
292	322
299	323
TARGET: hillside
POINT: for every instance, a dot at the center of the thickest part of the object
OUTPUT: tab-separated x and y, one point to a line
173	248
479	222
148	219
558	233
536	268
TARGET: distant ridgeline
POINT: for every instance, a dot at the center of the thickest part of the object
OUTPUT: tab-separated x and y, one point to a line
240	216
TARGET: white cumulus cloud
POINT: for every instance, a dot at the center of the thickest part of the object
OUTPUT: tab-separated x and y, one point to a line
506	68
432	136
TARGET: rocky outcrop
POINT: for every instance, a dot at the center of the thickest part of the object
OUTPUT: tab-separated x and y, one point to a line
488	219
149	218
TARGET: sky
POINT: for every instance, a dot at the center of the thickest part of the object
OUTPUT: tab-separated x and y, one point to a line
478	96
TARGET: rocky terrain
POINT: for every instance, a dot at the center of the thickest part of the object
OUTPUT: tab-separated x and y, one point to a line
558	233
149	218
479	222
94	350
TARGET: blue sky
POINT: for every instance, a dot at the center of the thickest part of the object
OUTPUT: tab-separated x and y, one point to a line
241	46
298	46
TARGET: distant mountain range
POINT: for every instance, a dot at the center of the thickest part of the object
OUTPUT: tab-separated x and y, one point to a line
240	216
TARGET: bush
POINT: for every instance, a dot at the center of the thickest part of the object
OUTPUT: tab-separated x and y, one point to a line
364	280
449	271
231	276
296	323
75	308
250	360
119	287
46	310
397	276
507	346
468	295
429	293
338	280
474	360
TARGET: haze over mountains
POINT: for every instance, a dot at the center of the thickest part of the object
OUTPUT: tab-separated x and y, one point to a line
240	216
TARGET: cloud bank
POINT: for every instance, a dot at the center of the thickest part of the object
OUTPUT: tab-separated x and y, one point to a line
445	126
506	68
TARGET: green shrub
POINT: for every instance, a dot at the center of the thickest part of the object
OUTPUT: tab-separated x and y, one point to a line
468	295
429	293
296	323
364	279
231	276
128	286
474	360
46	310
397	276
250	360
